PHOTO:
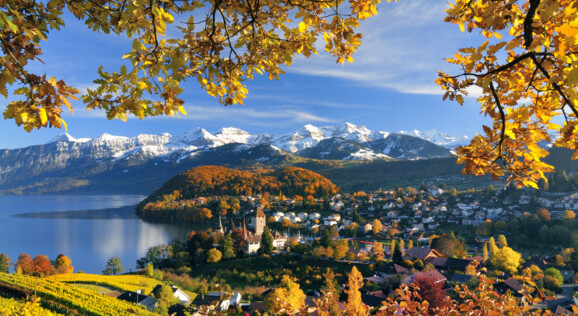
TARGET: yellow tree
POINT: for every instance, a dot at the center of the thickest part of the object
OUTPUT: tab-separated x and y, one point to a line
220	44
286	298
377	250
377	226
63	264
354	305
527	72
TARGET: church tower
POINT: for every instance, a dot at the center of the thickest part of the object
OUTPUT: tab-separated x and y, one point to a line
259	222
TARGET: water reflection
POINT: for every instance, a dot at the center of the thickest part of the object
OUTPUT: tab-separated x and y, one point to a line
88	229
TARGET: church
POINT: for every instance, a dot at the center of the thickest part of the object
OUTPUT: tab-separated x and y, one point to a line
253	238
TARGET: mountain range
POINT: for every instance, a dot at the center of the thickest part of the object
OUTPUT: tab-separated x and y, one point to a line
108	163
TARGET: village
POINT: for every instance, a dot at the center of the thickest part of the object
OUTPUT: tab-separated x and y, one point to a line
374	226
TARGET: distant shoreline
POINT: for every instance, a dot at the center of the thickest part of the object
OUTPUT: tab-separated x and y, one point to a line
124	212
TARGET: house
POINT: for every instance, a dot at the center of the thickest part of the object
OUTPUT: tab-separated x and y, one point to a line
433	274
390	269
509	285
375	279
252	245
138	298
357	253
367	228
177	293
422	253
279	240
213	301
561	306
457	277
235	299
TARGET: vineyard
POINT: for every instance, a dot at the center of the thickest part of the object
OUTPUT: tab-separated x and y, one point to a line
116	282
67	299
12	307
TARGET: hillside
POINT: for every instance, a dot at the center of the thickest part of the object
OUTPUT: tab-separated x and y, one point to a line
179	192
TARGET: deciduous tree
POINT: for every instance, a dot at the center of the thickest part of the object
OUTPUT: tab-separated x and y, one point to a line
214	255
63	264
354	305
377	226
526	71
113	266
219	44
41	266
430	290
286	298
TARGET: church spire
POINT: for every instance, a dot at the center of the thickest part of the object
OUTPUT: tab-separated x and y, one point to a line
221	230
244	228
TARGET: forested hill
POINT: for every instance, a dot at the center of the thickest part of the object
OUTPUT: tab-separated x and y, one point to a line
221	181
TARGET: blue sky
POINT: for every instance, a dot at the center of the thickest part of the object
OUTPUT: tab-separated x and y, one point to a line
389	87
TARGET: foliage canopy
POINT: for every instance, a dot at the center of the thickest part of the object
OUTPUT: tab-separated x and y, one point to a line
220	44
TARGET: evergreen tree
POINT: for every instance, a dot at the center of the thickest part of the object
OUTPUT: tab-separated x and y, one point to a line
397	256
228	247
4	263
266	242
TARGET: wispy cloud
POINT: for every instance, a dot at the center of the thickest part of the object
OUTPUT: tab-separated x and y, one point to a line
251	116
402	48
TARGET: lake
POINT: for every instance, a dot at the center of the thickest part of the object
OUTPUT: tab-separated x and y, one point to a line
89	229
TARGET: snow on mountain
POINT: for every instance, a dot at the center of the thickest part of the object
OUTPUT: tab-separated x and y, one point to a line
65	137
438	138
352	132
372	144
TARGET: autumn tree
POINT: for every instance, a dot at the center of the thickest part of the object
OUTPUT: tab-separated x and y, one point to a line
340	249
214	255
286	298
354	305
569	215
504	258
165	297
526	72
377	250
328	303
543	214
431	290
113	266
449	245
219	44
63	264
24	264
377	226
41	266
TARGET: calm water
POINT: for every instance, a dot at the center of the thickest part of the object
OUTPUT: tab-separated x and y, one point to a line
89	229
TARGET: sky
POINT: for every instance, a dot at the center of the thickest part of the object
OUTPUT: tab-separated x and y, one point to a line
390	86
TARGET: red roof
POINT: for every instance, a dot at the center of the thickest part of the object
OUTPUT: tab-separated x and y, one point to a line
260	212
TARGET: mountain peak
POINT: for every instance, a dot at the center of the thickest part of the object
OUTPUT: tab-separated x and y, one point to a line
65	137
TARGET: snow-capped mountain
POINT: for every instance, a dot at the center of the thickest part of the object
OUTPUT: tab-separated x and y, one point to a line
81	160
438	138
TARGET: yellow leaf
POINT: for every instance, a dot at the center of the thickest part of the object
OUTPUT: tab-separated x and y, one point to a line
42	115
302	27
